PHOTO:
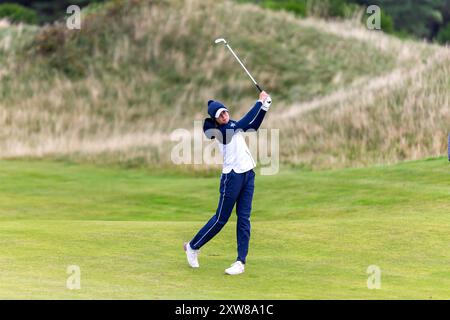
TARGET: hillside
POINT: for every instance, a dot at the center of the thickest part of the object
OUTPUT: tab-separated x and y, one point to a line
403	114
114	91
325	228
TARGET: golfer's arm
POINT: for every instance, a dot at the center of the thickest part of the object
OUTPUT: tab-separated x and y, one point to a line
253	118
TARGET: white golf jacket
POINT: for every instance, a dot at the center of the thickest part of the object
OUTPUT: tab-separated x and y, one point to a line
236	155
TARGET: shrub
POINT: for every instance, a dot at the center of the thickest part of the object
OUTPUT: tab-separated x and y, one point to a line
338	8
444	35
296	6
17	13
387	23
331	8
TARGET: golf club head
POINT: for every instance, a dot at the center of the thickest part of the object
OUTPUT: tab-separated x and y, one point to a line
219	40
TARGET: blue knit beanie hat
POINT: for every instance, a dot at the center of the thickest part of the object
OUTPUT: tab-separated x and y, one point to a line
215	108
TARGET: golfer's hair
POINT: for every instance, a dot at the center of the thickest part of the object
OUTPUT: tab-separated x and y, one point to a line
210	128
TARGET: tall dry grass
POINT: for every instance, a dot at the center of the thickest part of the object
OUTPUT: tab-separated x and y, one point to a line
114	91
406	117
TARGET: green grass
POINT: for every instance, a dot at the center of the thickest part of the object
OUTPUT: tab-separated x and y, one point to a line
313	233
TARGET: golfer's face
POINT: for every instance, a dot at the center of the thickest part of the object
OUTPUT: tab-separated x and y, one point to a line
223	118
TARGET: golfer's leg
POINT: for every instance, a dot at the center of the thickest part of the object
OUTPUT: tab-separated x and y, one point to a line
229	190
243	210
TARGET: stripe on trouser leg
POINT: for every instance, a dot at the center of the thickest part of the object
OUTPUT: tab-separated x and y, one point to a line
220	211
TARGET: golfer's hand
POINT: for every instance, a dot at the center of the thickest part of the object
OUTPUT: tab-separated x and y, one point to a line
262	96
266	100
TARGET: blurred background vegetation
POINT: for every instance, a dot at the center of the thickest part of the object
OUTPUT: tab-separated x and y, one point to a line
44	11
115	90
424	19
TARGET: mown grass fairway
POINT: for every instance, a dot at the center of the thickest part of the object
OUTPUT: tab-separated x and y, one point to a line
314	233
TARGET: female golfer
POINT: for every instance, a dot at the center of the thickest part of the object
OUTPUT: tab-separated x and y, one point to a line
237	179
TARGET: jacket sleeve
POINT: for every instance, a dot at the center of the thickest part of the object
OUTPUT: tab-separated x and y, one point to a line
253	118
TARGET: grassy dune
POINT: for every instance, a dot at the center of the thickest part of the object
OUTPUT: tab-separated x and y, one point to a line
314	234
402	116
114	91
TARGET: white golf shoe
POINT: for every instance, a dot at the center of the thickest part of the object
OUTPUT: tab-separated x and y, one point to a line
236	268
192	255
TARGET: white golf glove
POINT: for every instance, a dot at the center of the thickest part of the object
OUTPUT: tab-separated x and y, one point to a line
266	103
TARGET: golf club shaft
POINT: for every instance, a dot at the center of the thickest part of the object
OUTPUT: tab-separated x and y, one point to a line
256	84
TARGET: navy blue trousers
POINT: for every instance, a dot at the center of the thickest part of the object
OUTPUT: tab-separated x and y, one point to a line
235	188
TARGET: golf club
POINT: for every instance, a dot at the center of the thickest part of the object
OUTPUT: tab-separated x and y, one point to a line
219	40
